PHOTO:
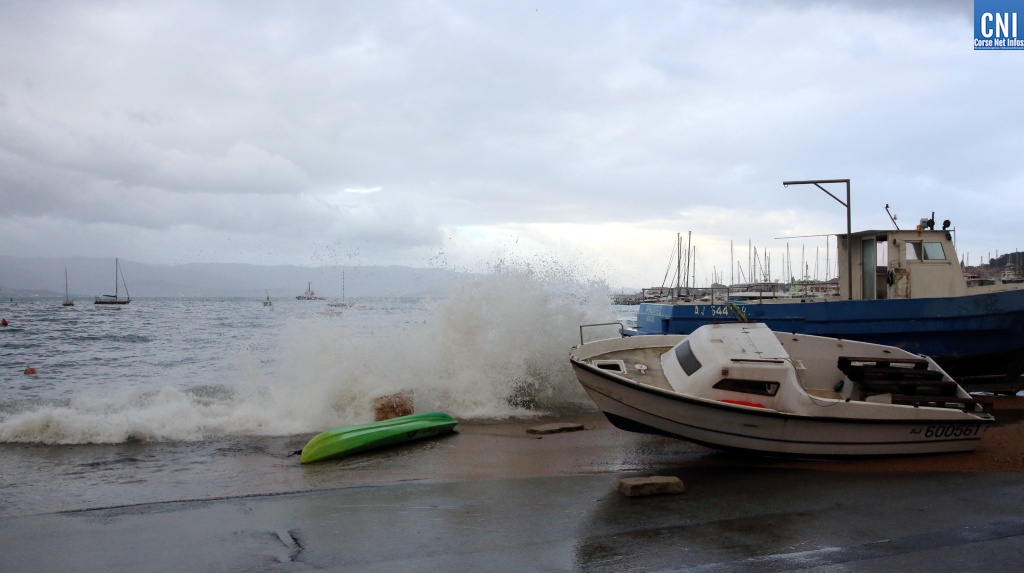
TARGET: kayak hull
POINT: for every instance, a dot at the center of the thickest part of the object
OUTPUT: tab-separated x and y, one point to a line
349	440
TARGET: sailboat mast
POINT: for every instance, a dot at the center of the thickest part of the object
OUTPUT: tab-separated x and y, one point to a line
689	236
732	269
128	296
679	263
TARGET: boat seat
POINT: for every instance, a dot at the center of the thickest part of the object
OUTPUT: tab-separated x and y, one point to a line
845	362
869	373
882	376
968	404
919	388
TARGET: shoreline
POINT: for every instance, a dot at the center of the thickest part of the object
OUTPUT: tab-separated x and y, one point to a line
493	497
504	449
238	467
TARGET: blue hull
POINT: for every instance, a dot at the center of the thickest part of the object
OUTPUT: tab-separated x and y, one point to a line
974	337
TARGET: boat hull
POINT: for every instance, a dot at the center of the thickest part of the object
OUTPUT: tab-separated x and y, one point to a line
975	338
640	408
349	440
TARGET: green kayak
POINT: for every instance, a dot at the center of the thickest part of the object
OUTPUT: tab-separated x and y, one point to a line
354	439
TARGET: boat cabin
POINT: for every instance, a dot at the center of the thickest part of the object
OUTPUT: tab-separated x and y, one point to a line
919	263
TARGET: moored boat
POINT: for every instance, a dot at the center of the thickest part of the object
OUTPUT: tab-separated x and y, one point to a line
342	303
109	299
310	294
349	440
745	387
67	299
897	287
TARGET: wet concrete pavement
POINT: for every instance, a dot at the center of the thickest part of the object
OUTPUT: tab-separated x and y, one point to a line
494	498
730	519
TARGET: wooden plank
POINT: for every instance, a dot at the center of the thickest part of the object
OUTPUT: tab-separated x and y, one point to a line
892	373
846	361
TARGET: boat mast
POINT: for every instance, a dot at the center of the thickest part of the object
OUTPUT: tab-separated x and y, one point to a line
693	268
679	262
803	261
689	235
751	271
126	295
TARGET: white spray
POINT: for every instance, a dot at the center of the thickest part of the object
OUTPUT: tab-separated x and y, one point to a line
496	348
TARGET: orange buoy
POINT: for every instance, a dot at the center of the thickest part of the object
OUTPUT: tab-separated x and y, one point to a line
30	371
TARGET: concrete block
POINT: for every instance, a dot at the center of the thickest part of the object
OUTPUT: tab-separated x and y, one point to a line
555	428
652	485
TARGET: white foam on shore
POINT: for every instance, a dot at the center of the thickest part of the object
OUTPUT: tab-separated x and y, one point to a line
506	334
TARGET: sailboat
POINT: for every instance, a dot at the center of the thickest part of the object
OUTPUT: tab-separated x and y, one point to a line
115	298
342	303
67	299
267	302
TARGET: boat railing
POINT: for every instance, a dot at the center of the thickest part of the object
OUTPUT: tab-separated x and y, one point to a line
621	326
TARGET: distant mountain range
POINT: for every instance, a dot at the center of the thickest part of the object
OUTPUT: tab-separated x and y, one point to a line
37	277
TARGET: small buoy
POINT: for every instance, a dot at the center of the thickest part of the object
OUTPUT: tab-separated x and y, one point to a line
30	371
3	322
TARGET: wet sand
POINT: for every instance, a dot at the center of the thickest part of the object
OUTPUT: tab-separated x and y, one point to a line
495	498
503	450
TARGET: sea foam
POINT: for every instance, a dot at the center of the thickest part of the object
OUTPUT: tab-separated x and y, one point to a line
496	348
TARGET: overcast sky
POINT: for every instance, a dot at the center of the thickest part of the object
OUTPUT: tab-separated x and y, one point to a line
455	134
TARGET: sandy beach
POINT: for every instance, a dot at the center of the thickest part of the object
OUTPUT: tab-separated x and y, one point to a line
493	497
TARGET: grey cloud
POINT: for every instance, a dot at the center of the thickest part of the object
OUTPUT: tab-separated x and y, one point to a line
248	122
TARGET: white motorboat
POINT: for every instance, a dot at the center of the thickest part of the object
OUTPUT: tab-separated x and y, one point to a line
741	386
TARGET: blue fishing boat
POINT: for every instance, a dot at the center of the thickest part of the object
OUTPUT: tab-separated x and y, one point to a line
901	288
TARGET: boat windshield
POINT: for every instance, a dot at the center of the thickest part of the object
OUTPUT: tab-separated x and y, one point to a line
687	359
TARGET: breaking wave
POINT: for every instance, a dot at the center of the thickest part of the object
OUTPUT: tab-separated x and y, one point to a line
496	348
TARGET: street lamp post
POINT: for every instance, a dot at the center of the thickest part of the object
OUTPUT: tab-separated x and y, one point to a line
849	253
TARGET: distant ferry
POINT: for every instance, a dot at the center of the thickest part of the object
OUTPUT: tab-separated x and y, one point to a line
309	294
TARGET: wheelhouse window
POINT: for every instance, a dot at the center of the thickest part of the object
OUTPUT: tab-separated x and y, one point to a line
687	359
933	252
926	251
759	387
914	252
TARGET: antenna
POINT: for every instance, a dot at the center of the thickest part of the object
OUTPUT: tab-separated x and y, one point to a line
891	217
